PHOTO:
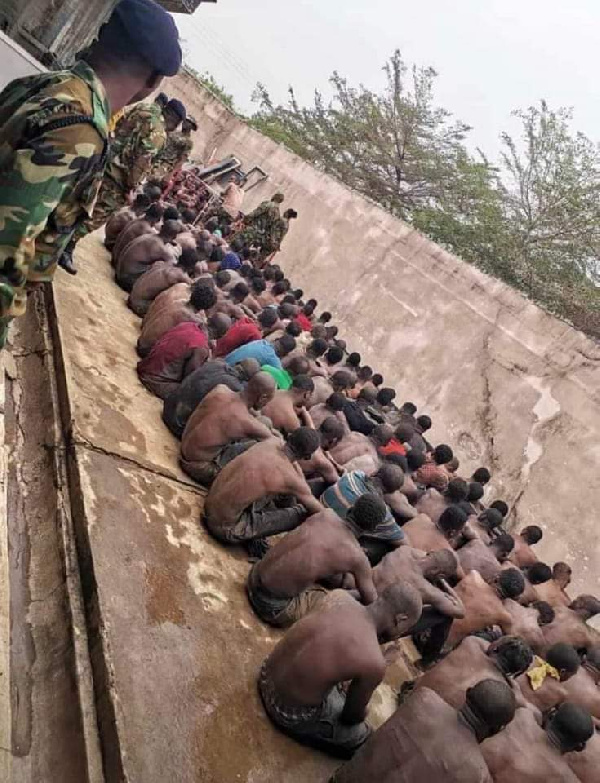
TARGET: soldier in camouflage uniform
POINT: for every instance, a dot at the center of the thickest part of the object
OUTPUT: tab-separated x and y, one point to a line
54	143
260	225
175	153
140	136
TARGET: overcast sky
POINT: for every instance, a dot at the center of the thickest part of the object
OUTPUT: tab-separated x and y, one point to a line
492	55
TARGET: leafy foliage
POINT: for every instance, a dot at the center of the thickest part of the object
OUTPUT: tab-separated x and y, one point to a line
533	220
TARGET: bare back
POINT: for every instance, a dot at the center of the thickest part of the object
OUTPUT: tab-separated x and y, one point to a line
321	547
522	555
552	593
432	503
583	690
423	742
131	231
158	278
221	418
483	608
261	472
477	556
550	693
180	292
319	413
464	667
330	646
140	254
353	445
323	390
423	534
522	753
403	564
154	328
282	413
525	624
569	627
586	763
116	224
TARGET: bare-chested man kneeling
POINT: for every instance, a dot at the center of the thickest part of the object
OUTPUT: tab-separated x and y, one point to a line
427	573
583	687
527	753
283	587
146	250
570	626
433	503
542	685
300	681
242	504
429	536
473	660
528	621
475	555
428	741
117	222
223	426
554	591
483	603
286	407
135	229
523	555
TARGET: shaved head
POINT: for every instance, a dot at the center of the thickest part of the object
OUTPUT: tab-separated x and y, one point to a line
219	324
260	390
249	367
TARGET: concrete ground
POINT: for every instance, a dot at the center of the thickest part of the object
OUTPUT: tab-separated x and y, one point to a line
175	648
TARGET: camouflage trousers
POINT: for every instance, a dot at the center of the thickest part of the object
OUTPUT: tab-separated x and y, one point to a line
112	197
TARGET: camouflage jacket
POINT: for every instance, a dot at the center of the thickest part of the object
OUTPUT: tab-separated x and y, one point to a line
53	147
139	136
173	155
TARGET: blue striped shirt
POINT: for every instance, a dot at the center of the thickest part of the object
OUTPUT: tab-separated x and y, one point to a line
340	497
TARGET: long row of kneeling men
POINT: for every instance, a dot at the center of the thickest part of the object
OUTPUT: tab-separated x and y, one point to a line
378	536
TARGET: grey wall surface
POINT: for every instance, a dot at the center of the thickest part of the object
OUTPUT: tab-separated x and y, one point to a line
507	385
15	62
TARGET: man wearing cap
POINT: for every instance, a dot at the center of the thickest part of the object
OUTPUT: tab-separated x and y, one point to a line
54	141
139	138
175	153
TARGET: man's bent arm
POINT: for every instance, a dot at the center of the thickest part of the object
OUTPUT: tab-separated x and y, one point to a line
359	693
363	576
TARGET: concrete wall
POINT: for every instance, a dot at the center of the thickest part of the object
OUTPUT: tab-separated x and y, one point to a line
506	384
59	27
15	62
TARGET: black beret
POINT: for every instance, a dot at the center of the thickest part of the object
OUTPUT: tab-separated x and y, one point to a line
152	32
177	108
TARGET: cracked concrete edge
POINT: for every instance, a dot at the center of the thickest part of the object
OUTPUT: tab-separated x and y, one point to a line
79	632
100	701
72	433
6	366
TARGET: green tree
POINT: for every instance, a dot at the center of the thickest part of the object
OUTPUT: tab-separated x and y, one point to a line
552	203
396	147
533	220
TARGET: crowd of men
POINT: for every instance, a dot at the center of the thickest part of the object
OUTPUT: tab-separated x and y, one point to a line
360	531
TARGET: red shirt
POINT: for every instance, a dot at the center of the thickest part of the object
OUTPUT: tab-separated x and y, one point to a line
242	332
304	322
393	447
164	364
